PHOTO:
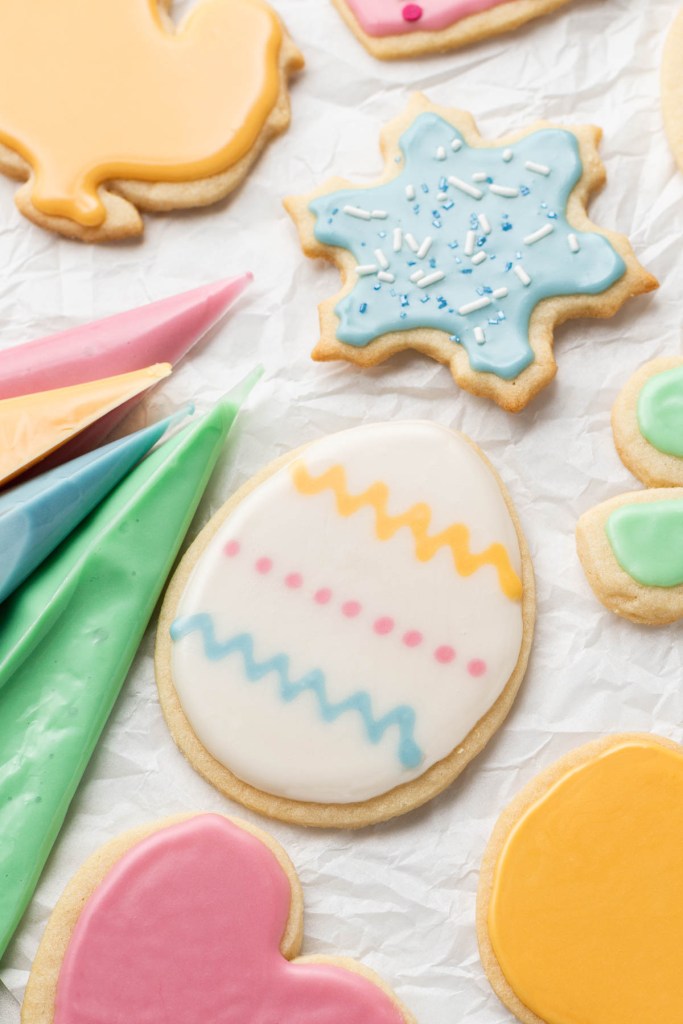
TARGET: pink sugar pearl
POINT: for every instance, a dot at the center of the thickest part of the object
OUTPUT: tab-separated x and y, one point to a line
412	638
412	12
294	580
351	609
383	625
232	548
323	596
444	654
264	565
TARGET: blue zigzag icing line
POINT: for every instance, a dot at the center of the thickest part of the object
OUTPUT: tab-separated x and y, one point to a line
402	717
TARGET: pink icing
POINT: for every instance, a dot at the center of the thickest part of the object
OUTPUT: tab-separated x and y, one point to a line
186	928
391	17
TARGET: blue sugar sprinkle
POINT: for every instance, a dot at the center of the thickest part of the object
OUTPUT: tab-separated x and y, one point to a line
524	189
425	298
552	216
432	263
506	225
441	302
376	287
381	234
403	315
452	245
508	266
449	205
488	290
467	271
436	224
443	184
363	307
474	221
481	240
425	188
404	300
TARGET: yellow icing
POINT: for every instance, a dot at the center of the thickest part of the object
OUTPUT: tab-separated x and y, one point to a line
586	911
418	520
92	90
32	426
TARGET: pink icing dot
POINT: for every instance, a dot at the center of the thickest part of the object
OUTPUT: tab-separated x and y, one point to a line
412	12
232	548
294	580
412	638
383	625
264	565
351	609
323	595
444	654
476	667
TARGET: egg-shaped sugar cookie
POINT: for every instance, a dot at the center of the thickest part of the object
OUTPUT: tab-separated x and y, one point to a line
350	628
580	908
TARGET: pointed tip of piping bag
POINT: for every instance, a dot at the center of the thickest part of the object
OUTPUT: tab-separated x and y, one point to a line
232	401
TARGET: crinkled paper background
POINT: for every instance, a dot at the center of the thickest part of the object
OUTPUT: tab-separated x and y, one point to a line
399	896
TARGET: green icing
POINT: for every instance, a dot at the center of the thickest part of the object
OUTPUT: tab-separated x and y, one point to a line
647	541
660	411
68	638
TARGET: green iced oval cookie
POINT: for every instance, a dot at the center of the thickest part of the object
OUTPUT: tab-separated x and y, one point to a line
647	541
660	411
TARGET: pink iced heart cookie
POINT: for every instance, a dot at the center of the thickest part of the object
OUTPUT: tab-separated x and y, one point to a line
199	917
399	28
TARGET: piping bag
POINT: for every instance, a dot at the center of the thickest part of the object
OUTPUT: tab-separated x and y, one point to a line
161	332
37	516
32	426
69	635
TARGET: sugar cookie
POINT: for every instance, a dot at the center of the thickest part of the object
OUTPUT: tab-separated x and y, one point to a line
200	918
647	421
397	29
468	251
579	914
672	88
351	628
151	116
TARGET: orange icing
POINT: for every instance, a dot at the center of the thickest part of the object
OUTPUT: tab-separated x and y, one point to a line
417	519
586	912
92	90
32	426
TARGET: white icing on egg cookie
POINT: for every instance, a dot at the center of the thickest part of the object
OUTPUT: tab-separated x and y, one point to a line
351	622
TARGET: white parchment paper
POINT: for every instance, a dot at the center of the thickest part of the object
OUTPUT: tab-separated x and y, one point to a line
400	896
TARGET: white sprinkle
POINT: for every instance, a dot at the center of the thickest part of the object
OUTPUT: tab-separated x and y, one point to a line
479	258
537	168
536	236
379	214
425	247
384	276
479	335
504	190
441	153
442	196
410	191
398	239
381	259
456	144
522	274
363	269
472	307
465	187
484	223
425	282
479	176
500	293
355	211
573	243
470	242
507	155
417	274
410	241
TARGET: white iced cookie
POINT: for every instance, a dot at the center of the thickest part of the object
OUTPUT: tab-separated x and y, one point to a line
351	628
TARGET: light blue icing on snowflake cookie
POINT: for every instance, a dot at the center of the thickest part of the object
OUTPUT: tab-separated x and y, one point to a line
467	241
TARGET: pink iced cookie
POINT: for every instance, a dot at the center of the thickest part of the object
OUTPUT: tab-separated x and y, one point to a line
399	28
199	914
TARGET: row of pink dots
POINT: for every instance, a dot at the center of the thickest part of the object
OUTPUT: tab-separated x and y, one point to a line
383	626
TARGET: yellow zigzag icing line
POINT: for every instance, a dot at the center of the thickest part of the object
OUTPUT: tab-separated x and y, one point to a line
417	519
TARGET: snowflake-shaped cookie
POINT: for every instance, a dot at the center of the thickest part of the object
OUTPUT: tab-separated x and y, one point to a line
471	253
